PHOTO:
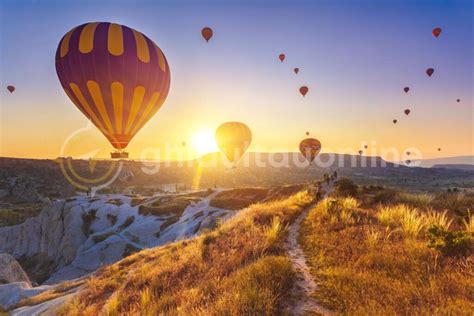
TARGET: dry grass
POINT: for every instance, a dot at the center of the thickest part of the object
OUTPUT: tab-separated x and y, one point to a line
238	269
415	199
381	265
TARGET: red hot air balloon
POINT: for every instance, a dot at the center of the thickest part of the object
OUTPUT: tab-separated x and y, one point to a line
394	121
304	90
116	76
429	72
296	70
281	57
207	33
436	32
406	89
407	111
310	148
11	88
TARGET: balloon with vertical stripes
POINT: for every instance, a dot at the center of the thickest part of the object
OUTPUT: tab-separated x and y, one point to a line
116	76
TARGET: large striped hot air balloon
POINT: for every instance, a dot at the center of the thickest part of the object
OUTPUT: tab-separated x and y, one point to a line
310	148
115	75
233	139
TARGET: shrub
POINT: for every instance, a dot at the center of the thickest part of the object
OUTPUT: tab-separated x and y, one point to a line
450	243
345	187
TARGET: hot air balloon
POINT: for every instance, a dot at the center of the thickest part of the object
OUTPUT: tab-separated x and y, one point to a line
360	152
408	153
394	121
406	89
439	149
429	71
407	111
458	100
233	139
436	31
183	144
11	88
281	57
307	133
310	148
207	33
408	162
304	90
116	76
296	70
366	146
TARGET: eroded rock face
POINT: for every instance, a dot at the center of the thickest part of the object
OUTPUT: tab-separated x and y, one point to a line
11	271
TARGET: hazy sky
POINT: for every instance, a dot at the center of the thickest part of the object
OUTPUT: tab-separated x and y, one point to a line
355	56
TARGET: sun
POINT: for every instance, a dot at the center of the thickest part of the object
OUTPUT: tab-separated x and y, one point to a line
203	142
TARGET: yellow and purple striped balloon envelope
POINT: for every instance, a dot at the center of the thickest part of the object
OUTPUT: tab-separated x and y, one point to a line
115	75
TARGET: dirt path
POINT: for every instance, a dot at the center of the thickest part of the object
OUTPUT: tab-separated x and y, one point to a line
301	302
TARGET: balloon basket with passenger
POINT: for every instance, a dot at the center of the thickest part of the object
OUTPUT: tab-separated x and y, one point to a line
119	154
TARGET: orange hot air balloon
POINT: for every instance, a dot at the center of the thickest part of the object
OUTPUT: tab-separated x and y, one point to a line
360	152
116	76
429	71
233	139
310	148
207	33
11	88
406	89
436	32
304	90
281	57
296	70
407	111
394	121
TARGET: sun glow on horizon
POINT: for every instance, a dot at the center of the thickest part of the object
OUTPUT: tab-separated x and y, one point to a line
203	142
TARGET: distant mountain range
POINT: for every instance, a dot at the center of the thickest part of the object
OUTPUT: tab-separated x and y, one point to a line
458	162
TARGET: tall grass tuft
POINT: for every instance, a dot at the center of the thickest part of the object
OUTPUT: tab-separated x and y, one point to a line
416	199
436	218
469	223
408	219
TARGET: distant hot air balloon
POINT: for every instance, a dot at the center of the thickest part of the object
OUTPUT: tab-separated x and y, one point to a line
439	149
207	33
436	31
115	75
296	70
281	57
360	152
407	111
304	90
11	88
406	89
408	162
408	153
394	121
366	146
307	133
183	144
310	148
458	100
429	71
233	139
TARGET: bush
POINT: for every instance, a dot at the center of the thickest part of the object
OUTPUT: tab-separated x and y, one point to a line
345	187
450	243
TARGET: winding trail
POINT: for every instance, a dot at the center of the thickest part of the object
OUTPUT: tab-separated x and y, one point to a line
301	302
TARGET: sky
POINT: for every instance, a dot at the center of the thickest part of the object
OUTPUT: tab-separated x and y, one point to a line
355	56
